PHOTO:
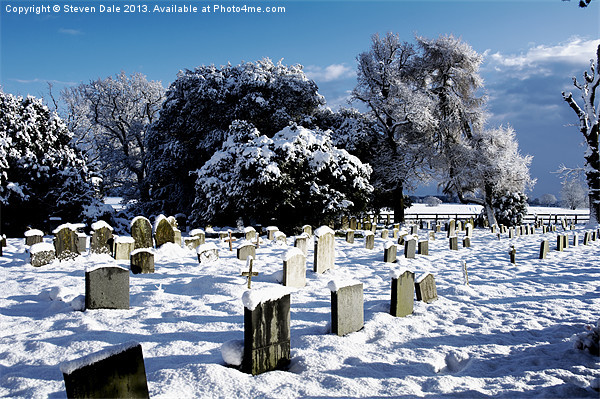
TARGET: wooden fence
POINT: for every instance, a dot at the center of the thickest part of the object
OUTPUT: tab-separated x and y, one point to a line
388	217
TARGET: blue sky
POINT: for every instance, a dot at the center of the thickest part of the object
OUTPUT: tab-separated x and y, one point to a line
532	49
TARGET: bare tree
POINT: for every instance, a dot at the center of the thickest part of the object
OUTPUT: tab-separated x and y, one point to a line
589	126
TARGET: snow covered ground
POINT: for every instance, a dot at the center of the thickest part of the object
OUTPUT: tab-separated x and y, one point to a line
507	334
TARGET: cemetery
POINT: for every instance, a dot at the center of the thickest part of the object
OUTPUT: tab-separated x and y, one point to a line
311	315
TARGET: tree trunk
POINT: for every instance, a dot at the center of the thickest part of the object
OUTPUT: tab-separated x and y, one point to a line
398	203
593	174
489	209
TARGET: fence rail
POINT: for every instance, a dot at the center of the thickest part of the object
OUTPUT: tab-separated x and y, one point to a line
388	217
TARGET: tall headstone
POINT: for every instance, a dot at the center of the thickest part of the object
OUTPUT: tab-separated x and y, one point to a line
163	231
280	238
369	240
294	268
565	238
451	228
116	372
395	232
586	238
107	287
250	233
82	242
102	238
425	288
423	247
301	242
266	334
385	233
324	250
410	247
245	249
347	308
123	247
389	252
469	230
403	293
65	241
544	249
33	236
353	223
207	253
350	236
307	229
200	235
141	231
560	243
142	261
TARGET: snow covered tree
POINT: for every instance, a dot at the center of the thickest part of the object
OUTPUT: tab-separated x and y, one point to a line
510	208
199	108
548	200
389	87
42	175
109	118
589	126
573	194
296	177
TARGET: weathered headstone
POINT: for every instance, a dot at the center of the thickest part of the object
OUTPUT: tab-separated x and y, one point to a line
301	242
123	247
586	238
369	240
250	233
271	232
565	238
249	274
345	223
511	232
466	242
245	249
65	241
389	252
403	293
385	233
41	253
142	261
395	232
414	229
425	288
560	243
280	238
324	254
107	287
200	235
191	242
432	235
33	236
459	226
350	236
575	239
207	253
453	243
141	231
544	249
469	230
353	223
82	242
347	308
116	372
410	247
307	229
451	228
423	247
163	231
294	268
102	238
266	333
513	254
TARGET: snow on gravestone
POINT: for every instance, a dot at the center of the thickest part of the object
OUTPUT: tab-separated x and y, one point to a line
294	268
301	242
106	287
142	261
307	229
544	246
191	242
369	239
65	241
266	330
200	234
250	233
163	231
350	236
347	307
271	232
403	292
324	256
141	231
280	238
390	251
245	249
451	228
102	238
410	247
425	288
123	247
33	236
423	247
385	233
116	372
207	253
41	253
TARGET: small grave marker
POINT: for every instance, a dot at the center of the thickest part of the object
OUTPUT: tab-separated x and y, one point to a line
544	246
466	242
249	274
107	287
410	247
301	242
271	232
350	236
453	243
425	288
403	293
102	238
423	247
246	249
33	236
369	240
41	254
207	253
347	308
389	252
294	268
123	247
465	272
513	254
385	233
142	261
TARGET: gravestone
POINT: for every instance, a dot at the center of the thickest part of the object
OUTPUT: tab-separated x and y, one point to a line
102	238
324	257
123	247
249	274
425	288
459	226
586	238
294	268
271	232
307	229
575	239
301	242
432	235
280	238
141	231
465	272
350	236
353	223
369	240
107	287
207	253
41	253
438	228
33	236
200	235
142	261
389	252
451	228
565	238
345	223
82	242
466	242
410	248
249	233
594	235
513	254
469	230
453	243
245	249
544	249
347	308
511	232
266	334
163	231
116	372
403	293
191	242
367	226
414	230
423	247
385	233
560	243
401	235
395	232
65	241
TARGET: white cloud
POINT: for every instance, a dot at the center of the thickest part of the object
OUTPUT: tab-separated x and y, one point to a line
38	80
330	72
72	32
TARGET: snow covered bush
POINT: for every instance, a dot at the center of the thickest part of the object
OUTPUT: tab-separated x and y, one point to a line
433	201
296	177
510	208
41	174
588	340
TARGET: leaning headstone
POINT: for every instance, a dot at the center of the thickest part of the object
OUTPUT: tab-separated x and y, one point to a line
41	253
301	242
423	247
123	247
453	243
33	236
350	236
425	288
207	253
294	268
271	232
389	252
324	250
369	239
65	241
250	233
107	287
102	238
347	308
199	234
410	247
307	229
266	331
245	249
163	231
141	231
116	372
280	238
142	261
544	249
403	293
